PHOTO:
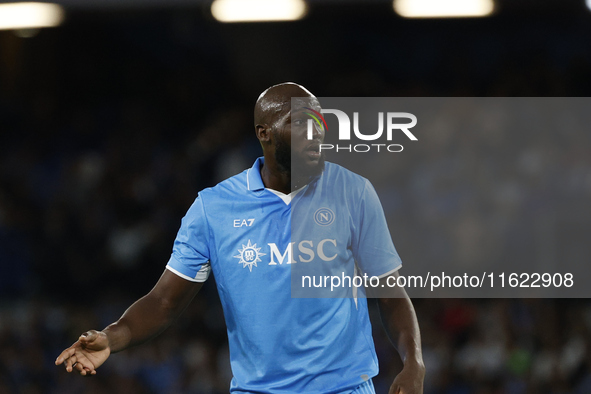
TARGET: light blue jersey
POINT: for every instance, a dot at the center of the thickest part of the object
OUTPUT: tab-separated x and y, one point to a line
242	231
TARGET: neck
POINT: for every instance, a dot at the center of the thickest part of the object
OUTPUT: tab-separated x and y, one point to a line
278	178
275	178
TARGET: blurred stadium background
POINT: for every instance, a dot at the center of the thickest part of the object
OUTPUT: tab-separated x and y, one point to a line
112	122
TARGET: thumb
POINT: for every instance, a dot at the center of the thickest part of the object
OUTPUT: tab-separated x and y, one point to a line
88	336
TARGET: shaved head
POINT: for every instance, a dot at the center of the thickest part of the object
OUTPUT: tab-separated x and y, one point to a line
275	102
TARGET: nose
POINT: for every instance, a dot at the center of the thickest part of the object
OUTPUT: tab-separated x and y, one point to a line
315	132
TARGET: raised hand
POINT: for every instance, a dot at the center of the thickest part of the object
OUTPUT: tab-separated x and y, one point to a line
88	353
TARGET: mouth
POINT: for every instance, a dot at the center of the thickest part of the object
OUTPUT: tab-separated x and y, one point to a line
313	151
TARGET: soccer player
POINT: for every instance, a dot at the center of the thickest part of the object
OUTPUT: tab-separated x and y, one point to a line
242	230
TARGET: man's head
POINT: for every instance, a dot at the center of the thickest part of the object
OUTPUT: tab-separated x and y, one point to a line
282	130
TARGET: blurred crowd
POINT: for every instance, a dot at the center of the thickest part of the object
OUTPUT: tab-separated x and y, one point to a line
104	144
469	346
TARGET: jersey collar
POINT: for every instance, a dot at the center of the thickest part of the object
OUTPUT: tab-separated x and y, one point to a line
254	181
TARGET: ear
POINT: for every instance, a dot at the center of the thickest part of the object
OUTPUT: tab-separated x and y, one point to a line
263	132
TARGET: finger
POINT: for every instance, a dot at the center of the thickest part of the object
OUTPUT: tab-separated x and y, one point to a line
84	362
79	367
88	372
70	362
69	352
82	371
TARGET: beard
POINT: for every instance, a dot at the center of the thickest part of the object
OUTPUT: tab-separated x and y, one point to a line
300	172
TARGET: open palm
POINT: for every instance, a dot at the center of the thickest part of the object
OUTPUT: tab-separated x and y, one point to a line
88	353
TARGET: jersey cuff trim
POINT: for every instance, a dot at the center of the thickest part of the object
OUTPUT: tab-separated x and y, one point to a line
183	275
390	272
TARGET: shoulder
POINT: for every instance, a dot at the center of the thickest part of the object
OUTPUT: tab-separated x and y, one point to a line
233	186
339	176
215	200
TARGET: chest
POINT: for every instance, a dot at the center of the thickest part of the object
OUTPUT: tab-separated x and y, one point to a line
271	234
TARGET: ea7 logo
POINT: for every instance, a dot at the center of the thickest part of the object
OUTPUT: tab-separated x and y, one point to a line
243	222
392	124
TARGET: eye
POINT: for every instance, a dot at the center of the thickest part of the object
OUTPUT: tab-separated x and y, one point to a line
298	122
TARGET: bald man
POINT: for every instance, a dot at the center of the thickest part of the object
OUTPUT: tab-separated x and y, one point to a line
243	230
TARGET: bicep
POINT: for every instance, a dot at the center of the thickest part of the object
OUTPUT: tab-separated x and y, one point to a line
188	266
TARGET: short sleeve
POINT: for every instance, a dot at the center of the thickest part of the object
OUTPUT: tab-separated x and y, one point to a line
190	255
372	244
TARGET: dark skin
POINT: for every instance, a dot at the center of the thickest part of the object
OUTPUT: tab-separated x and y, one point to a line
275	126
400	322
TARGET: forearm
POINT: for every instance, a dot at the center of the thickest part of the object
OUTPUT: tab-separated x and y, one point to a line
153	313
143	320
401	325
